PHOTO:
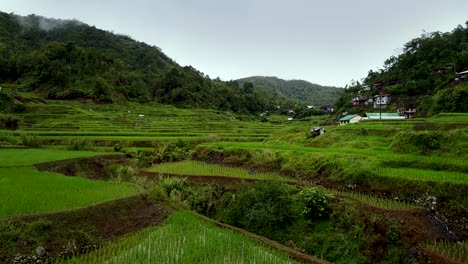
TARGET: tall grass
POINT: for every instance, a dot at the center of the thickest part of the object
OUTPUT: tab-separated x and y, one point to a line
199	168
424	175
384	203
183	238
24	190
456	251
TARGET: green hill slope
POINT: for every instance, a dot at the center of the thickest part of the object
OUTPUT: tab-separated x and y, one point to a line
429	71
67	59
304	91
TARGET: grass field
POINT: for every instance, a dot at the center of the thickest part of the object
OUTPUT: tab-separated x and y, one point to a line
184	238
23	190
199	168
25	157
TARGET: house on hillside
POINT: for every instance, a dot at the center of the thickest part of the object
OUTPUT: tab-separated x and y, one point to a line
382	116
349	119
407	107
359	100
381	101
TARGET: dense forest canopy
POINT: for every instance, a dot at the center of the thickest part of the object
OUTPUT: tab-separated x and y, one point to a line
67	59
428	70
306	92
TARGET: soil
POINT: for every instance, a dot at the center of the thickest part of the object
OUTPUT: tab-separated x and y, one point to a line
81	229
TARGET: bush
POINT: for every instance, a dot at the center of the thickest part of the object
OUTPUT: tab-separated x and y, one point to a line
314	201
31	141
201	199
174	186
10	122
78	144
174	152
267	207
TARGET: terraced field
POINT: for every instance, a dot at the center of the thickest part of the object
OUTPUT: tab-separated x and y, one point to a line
58	121
24	190
185	238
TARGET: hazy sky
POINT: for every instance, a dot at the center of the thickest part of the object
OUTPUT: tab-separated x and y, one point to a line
325	42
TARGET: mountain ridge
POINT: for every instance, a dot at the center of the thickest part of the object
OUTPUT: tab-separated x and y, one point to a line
302	90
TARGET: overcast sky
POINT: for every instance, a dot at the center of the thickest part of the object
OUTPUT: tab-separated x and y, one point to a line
325	42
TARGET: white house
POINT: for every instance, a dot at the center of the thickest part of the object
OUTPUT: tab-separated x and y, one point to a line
381	101
349	119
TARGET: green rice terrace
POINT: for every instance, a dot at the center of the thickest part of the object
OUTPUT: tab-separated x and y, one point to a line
145	183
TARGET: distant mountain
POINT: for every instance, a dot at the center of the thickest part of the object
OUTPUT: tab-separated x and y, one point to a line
304	91
68	59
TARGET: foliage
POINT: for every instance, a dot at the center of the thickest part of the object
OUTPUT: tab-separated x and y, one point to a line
306	92
72	60
426	68
31	141
267	207
174	186
8	121
315	200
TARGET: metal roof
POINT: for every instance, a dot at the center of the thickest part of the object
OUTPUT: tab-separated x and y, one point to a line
348	117
384	116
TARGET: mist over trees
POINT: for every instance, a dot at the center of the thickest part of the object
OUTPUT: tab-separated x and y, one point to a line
67	59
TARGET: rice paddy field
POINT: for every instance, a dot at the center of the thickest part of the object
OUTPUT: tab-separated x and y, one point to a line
184	238
24	190
198	168
58	121
384	203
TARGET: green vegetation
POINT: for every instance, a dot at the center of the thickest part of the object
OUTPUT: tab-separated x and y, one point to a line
183	238
423	76
72	60
26	157
24	190
424	175
198	168
309	93
389	204
455	251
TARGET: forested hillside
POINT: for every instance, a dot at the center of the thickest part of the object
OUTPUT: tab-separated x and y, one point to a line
429	70
304	91
67	59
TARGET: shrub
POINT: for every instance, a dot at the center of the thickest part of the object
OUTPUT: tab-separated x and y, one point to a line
175	152
174	186
31	141
10	122
201	199
266	207
314	201
78	144
124	173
